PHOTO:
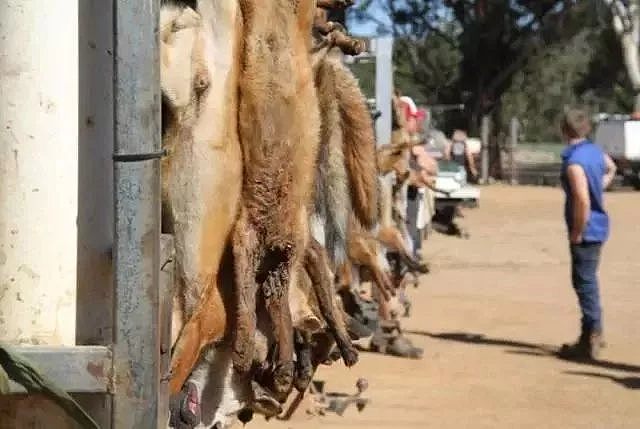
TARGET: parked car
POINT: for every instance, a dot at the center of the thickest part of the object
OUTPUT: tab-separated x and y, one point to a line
453	187
620	138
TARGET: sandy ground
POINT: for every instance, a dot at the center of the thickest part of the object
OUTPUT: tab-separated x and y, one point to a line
488	316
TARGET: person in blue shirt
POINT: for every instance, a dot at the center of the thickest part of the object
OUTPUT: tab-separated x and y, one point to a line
586	172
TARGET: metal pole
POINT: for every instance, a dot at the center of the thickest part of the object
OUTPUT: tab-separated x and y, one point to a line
484	131
384	87
136	350
513	143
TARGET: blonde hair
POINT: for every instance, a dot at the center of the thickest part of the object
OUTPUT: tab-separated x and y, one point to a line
576	124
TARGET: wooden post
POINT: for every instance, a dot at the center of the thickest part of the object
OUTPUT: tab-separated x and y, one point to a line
513	143
484	131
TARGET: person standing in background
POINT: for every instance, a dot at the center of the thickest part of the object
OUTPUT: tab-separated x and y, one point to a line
425	170
414	200
458	151
586	172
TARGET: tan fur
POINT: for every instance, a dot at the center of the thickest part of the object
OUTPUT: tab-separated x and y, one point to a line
359	145
305	311
392	240
279	136
202	172
393	158
332	193
317	267
364	251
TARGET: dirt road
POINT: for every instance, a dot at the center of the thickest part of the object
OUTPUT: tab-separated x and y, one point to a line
487	317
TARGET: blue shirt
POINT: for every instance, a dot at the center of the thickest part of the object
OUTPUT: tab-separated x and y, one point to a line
591	158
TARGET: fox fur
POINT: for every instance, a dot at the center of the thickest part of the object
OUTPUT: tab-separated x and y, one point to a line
346	178
279	138
365	251
332	202
202	173
359	145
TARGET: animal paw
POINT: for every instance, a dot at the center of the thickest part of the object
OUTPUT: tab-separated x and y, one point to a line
242	356
264	402
302	381
283	376
349	356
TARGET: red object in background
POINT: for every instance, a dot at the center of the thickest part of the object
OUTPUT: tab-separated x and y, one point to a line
410	113
409	107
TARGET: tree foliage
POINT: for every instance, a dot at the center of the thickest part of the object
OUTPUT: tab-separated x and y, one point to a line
524	58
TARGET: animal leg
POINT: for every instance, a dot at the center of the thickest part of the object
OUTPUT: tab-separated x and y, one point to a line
326	27
361	253
333	4
381	280
345	276
275	291
413	264
391	238
206	325
347	45
245	246
304	365
316	264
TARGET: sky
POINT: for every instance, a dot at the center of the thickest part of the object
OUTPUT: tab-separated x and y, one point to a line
367	29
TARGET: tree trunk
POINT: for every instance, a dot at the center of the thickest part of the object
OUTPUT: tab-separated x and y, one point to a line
475	116
626	22
632	61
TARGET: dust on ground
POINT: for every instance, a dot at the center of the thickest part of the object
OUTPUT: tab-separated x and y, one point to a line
488	316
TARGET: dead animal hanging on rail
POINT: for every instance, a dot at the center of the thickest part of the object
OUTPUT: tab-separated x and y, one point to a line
202	172
279	131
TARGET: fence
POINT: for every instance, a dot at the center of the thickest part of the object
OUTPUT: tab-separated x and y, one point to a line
517	162
532	164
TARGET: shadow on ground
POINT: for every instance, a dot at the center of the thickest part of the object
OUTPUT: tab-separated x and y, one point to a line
529	349
632	383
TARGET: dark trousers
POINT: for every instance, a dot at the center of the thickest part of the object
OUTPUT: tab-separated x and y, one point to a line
413	206
585	258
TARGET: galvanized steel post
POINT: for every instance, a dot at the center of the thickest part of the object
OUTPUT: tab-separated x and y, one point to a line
384	88
136	349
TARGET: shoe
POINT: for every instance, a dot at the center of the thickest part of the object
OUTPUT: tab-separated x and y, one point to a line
587	348
395	344
402	347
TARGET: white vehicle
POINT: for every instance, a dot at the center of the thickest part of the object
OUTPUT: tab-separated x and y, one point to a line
452	182
452	177
620	138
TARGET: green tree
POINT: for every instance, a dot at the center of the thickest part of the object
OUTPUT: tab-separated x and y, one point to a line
493	38
586	70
